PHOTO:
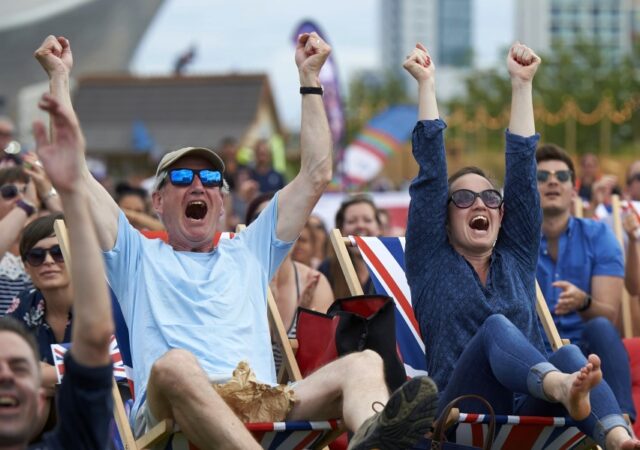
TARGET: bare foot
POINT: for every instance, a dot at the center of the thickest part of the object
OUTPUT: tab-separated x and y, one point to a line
572	390
618	438
579	405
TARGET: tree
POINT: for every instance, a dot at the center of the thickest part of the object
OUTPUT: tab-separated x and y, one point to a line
583	73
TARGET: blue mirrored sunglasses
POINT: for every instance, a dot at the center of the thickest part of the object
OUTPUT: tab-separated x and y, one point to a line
184	177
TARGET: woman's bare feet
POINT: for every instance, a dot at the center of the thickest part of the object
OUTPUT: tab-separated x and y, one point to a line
618	439
572	390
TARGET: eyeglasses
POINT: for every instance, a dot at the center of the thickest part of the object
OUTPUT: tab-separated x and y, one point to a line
184	177
561	175
36	256
9	191
464	198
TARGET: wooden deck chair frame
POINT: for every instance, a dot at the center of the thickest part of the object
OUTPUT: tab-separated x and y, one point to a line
166	427
627	327
340	244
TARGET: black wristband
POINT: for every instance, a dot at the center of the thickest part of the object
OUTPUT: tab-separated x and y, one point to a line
587	303
311	90
26	207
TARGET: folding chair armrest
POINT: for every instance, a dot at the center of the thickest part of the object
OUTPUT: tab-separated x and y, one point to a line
156	434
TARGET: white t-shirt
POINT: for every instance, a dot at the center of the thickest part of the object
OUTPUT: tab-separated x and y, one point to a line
211	304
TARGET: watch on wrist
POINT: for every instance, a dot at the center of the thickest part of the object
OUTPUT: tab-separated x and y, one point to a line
587	303
28	208
311	90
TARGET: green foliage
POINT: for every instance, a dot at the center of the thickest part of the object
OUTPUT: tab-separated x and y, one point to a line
584	73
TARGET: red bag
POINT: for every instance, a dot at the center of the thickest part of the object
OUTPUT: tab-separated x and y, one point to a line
351	324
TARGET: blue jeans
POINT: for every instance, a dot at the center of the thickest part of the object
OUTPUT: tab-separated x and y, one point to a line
599	336
499	362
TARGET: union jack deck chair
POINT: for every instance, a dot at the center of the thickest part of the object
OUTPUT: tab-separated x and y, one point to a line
384	257
166	435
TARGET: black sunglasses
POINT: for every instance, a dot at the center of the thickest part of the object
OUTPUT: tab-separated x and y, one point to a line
184	177
9	191
561	175
464	198
36	256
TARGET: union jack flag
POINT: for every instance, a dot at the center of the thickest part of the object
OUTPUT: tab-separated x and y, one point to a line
295	435
385	260
516	432
59	350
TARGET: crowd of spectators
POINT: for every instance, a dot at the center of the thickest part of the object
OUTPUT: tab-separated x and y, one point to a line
462	225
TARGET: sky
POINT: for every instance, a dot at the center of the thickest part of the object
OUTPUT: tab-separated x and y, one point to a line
255	36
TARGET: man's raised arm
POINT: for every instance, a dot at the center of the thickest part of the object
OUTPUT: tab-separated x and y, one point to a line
297	199
63	160
56	59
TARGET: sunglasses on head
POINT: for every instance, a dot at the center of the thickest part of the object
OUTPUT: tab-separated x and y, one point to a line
9	191
464	198
184	177
561	175
36	256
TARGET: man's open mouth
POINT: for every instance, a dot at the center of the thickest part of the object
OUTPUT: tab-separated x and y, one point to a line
196	210
8	401
479	223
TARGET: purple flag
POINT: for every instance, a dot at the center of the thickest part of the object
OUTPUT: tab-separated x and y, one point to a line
331	86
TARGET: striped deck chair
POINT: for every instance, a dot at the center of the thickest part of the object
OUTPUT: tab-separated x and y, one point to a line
631	343
385	260
273	435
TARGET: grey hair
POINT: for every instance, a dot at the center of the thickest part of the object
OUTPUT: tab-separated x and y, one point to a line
162	176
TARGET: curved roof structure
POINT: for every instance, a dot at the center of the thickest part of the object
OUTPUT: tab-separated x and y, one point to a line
103	34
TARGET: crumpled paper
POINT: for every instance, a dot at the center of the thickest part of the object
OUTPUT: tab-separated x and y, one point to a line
253	401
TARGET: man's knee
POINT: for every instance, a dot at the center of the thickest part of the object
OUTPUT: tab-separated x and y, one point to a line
173	368
366	360
601	328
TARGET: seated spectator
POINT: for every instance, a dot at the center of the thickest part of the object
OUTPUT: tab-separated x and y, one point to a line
631	225
295	283
45	310
357	216
17	206
85	407
7	131
304	247
242	188
320	238
134	203
268	179
589	174
471	258
580	271
194	311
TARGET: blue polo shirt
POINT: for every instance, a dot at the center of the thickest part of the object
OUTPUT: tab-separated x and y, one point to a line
587	248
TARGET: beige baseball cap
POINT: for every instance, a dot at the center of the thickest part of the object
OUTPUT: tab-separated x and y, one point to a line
200	152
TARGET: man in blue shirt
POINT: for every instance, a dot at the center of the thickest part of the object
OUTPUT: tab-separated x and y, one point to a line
581	272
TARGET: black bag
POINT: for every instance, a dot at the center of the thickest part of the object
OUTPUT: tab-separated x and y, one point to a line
351	324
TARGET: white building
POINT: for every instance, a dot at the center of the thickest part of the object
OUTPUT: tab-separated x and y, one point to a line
443	26
609	23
